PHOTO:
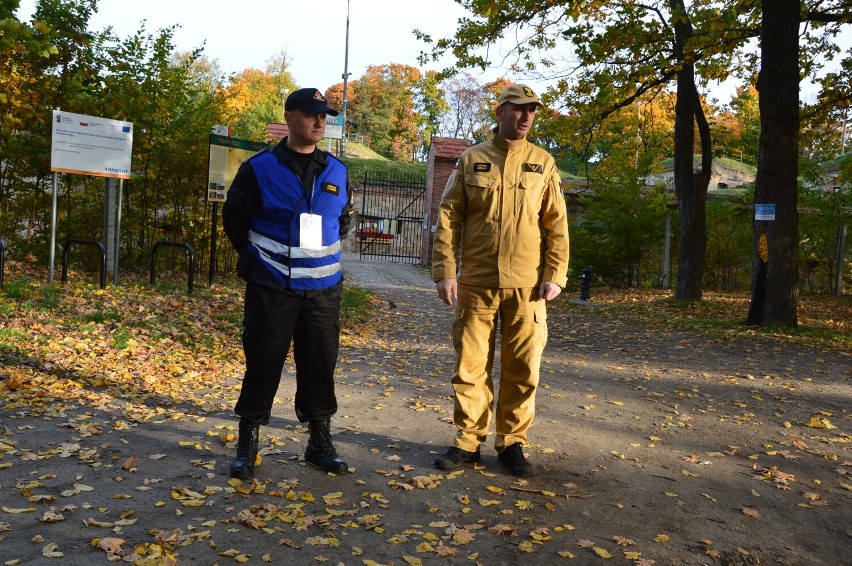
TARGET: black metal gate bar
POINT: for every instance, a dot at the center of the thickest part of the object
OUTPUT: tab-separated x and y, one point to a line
390	222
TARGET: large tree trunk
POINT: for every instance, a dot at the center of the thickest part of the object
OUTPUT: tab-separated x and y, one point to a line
776	242
690	187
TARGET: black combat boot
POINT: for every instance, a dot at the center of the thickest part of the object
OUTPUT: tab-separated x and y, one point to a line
320	450
243	465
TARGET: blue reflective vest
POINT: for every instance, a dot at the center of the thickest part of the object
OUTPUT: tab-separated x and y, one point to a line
274	235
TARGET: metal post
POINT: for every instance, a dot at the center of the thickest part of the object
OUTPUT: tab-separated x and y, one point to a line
109	219
213	241
667	252
345	83
841	259
585	283
53	228
2	262
117	231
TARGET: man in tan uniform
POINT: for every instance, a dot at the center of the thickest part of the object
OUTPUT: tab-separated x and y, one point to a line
503	209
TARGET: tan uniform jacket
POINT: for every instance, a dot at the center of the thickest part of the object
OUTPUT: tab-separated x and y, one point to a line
503	206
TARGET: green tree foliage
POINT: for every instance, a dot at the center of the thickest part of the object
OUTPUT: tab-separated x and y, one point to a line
64	73
620	235
383	109
823	210
20	46
729	242
255	98
431	105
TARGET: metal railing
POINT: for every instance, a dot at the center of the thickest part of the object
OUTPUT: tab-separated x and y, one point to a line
94	243
183	245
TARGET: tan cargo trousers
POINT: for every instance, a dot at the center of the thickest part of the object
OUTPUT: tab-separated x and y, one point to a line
523	333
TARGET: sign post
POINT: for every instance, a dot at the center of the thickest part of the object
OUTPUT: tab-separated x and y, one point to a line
89	145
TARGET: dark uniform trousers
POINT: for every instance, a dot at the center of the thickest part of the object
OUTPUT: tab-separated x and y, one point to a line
272	319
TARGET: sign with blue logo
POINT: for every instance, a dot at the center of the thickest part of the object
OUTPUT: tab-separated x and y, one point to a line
89	145
764	212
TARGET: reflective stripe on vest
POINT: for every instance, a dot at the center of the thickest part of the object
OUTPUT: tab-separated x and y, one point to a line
266	246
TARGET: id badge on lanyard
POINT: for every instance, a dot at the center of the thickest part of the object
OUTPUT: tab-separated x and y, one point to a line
310	231
310	225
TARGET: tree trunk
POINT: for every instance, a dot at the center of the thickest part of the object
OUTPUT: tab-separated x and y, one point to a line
690	188
776	242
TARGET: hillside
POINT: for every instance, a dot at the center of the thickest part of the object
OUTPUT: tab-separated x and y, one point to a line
361	159
359	151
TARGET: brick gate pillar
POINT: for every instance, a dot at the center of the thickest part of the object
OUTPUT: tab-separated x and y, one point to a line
443	155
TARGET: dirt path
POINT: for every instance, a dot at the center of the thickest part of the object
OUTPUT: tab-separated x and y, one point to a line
664	449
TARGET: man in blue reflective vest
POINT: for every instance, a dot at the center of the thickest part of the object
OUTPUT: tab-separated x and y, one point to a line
286	212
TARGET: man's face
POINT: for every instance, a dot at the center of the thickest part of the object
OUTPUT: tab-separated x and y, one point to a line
514	120
304	129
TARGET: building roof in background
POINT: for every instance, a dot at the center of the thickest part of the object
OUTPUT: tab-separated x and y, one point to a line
448	148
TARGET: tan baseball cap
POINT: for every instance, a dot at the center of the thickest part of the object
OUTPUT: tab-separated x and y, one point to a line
518	94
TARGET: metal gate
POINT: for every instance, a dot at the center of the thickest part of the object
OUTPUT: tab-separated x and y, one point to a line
390	220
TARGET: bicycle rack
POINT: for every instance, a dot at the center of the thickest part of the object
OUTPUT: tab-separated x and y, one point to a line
67	249
183	245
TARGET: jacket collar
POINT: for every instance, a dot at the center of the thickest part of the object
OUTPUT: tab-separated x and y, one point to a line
509	145
285	154
287	157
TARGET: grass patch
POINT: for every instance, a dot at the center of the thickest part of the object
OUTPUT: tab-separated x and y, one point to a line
34	294
358	167
49	297
7	308
9	349
99	316
230	318
19	289
356	307
121	338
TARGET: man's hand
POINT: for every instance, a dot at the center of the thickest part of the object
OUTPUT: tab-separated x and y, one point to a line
447	290
549	291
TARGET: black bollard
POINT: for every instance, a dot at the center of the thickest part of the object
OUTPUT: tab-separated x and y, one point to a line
586	283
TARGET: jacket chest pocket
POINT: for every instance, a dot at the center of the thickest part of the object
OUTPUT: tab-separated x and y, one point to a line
482	193
530	193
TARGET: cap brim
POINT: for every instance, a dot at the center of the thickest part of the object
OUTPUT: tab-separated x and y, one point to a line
523	101
315	109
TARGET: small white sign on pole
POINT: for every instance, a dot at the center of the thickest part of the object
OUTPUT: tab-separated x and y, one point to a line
333	127
89	145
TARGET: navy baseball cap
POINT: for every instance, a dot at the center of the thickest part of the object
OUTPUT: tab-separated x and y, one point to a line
310	101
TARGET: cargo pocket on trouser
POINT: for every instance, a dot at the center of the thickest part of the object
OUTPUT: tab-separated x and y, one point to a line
540	314
473	330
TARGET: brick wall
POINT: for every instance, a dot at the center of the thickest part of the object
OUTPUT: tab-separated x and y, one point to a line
443	155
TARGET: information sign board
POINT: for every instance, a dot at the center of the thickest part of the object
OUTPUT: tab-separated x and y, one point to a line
226	155
333	127
89	145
